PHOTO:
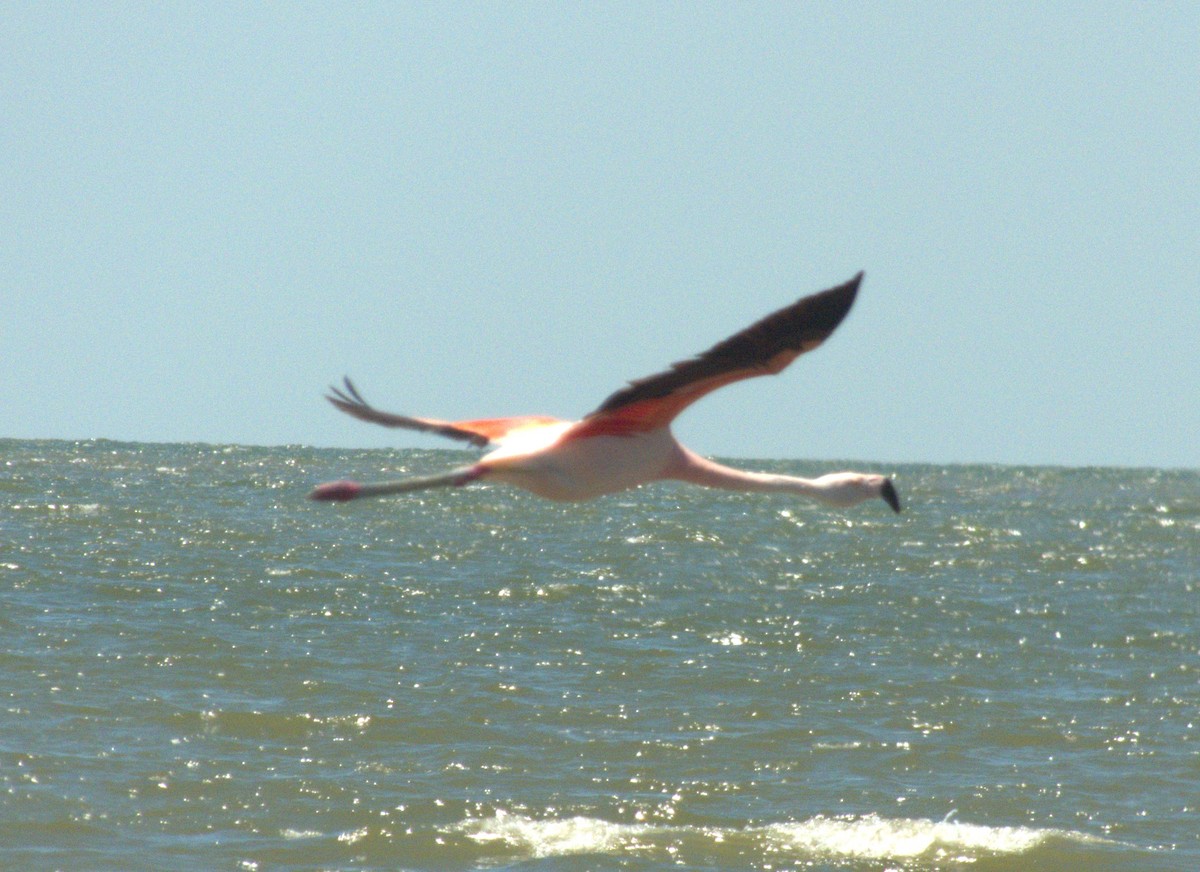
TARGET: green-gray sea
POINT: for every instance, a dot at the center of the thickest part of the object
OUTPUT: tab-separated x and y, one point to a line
200	669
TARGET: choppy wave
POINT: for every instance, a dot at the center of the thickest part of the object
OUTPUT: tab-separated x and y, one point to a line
862	837
202	669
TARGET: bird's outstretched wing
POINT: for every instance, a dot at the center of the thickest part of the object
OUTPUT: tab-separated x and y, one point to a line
763	348
478	433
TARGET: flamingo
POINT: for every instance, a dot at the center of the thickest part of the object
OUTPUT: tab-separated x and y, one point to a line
627	441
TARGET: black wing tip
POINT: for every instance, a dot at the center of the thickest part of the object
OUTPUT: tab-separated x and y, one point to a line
890	496
350	395
830	307
856	282
847	288
850	285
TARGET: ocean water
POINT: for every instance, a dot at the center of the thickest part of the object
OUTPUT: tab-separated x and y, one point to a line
200	669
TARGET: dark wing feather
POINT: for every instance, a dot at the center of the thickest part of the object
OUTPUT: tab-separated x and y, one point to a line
764	347
351	402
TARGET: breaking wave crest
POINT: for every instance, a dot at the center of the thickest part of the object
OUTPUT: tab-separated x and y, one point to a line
865	837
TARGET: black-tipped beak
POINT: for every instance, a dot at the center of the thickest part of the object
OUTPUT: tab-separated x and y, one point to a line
888	492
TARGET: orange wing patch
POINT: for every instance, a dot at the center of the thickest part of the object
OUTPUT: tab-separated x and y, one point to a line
498	429
642	416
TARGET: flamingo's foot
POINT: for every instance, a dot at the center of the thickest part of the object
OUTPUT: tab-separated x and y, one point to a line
338	491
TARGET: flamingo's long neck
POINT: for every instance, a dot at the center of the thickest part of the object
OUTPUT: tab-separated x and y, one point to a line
701	471
839	489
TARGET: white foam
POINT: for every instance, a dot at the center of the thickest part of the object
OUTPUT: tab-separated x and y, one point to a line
876	838
869	837
291	834
553	838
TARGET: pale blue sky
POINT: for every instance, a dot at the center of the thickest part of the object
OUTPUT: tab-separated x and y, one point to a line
209	212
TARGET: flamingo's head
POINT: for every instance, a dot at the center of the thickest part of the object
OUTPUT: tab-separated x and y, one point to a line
887	491
851	488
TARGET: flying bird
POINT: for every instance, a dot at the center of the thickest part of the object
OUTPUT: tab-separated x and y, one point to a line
627	441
